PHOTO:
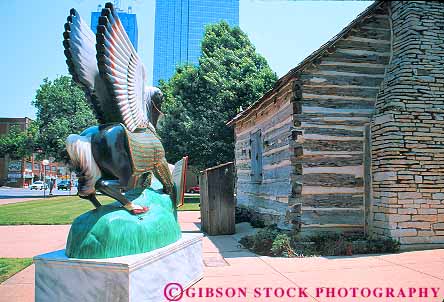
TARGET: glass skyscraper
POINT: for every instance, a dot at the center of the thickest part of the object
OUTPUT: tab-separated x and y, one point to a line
179	28
129	22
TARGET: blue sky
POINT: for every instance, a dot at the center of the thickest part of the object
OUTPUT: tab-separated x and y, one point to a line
284	32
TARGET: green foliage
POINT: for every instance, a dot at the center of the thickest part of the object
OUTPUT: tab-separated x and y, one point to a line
330	244
11	266
275	242
200	100
282	246
262	242
242	214
256	222
62	109
387	245
18	143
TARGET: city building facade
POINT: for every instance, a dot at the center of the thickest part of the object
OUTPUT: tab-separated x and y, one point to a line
179	28
21	172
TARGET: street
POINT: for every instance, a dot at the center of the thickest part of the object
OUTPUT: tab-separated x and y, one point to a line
7	192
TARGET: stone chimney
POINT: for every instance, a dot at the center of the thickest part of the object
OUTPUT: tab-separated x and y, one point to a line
408	130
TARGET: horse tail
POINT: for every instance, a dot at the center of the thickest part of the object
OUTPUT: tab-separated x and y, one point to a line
80	152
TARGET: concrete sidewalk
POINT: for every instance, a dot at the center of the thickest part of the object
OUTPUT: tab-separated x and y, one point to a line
16	200
229	267
27	241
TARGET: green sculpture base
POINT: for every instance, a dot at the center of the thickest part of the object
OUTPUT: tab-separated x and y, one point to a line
111	231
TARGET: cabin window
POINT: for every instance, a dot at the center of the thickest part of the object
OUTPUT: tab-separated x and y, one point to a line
256	156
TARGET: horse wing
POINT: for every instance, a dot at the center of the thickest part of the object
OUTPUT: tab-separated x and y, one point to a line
79	42
121	69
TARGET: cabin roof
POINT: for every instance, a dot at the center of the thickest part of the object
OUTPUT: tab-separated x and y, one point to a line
312	57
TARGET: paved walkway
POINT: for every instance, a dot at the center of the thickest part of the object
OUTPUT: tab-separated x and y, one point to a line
230	267
13	195
16	200
27	241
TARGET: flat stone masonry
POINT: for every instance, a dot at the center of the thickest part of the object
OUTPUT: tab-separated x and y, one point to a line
140	277
408	130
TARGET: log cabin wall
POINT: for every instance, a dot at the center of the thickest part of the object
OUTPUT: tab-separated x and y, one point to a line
335	99
266	194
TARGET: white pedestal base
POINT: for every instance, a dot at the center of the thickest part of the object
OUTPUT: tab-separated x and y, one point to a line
141	277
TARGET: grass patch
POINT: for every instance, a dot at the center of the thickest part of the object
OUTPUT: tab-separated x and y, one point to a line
54	210
190	206
11	266
59	210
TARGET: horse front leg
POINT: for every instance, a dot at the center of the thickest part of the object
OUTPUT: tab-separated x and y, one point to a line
92	198
163	174
111	188
85	191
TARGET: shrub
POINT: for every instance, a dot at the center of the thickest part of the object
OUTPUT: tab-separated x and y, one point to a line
271	241
383	245
242	214
330	244
247	242
262	242
256	222
282	246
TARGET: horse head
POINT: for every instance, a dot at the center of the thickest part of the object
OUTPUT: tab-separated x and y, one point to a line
153	103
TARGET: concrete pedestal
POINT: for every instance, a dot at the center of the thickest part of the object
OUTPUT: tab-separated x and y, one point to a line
140	277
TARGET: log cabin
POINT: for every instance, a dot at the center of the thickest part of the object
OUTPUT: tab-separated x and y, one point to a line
352	137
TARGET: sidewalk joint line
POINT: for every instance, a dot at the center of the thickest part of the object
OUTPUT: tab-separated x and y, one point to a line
291	281
412	269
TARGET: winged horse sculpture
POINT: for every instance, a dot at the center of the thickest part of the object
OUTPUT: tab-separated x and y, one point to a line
124	149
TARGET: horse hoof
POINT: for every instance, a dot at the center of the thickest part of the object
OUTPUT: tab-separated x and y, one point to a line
139	211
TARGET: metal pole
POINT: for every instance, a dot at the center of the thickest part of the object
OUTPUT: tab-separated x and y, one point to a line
45	162
70	183
44	181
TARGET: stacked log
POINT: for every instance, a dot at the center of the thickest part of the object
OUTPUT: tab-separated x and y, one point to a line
336	95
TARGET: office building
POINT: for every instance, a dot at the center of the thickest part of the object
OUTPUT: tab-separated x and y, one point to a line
179	28
21	172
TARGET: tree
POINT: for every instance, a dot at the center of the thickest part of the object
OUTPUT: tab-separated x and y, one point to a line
62	109
200	100
18	143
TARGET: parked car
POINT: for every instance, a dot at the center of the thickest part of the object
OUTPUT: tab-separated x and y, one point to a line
64	185
38	185
195	189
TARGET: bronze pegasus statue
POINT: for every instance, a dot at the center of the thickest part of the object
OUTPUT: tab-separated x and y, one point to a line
121	153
